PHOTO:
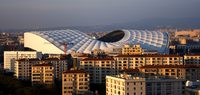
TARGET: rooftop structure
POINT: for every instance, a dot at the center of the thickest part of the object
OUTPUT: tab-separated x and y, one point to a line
57	40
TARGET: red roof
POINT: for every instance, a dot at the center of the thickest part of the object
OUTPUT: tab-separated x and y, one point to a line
150	55
42	65
75	71
37	59
170	66
131	70
98	59
192	55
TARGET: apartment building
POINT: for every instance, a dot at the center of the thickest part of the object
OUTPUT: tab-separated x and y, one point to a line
124	84
42	74
136	61
75	82
98	68
11	56
188	72
132	49
22	69
192	59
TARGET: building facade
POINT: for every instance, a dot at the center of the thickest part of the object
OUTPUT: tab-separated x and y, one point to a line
11	56
188	72
130	85
136	61
23	67
75	82
192	59
130	50
98	68
42	74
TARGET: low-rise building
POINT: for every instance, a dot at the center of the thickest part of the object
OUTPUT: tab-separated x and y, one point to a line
124	84
75	82
42	74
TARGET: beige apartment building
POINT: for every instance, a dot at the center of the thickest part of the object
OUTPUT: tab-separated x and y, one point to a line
98	68
75	82
124	84
11	56
22	69
132	49
190	33
42	74
188	72
192	59
136	61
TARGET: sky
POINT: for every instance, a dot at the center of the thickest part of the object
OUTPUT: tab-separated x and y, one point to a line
19	14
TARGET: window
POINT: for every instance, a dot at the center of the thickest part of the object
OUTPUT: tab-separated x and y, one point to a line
127	83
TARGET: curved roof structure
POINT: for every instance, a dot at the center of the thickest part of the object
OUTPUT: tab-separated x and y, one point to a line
52	42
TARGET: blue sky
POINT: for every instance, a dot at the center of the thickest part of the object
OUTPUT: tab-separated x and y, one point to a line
53	13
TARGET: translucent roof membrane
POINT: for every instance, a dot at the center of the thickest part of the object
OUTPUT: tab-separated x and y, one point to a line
81	42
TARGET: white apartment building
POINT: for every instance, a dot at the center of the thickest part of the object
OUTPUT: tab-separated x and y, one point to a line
11	56
130	85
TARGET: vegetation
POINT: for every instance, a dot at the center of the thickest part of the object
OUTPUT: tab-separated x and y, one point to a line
11	86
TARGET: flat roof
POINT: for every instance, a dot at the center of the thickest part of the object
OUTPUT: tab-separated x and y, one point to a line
74	71
150	55
170	66
98	59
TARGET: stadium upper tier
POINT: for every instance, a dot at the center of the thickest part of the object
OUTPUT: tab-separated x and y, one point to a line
53	42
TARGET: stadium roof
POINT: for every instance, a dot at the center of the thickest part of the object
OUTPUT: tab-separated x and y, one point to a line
52	41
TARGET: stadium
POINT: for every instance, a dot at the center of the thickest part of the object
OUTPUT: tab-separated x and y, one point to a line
66	41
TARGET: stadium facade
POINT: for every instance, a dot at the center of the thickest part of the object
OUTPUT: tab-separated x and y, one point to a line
52	42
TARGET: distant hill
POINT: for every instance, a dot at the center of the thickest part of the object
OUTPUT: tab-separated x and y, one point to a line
156	23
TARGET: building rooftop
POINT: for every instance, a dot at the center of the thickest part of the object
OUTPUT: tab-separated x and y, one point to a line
170	66
74	71
150	55
131	77
98	59
192	55
43	65
131	70
83	43
37	59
